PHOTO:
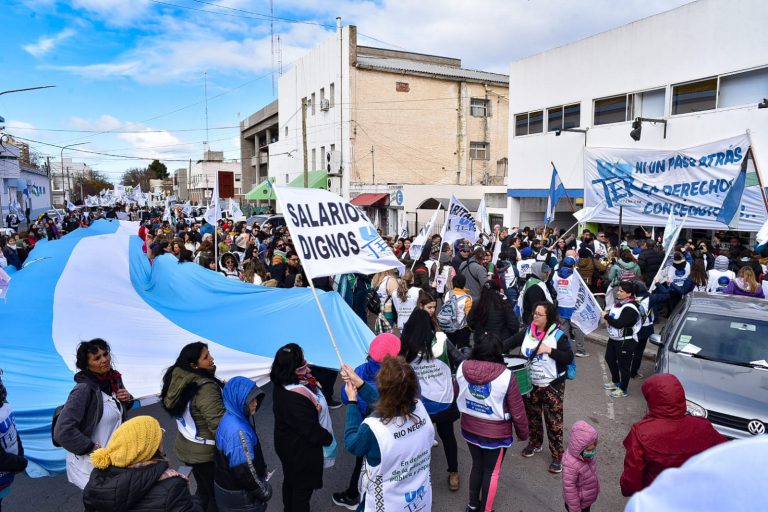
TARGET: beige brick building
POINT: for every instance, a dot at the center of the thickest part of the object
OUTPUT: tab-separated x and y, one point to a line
404	128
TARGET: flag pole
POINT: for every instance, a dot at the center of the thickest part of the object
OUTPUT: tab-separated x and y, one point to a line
751	151
317	298
442	235
667	254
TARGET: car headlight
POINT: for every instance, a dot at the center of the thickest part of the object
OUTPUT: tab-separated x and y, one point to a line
695	409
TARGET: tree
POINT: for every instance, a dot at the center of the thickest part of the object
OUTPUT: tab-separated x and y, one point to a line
91	184
137	176
158	170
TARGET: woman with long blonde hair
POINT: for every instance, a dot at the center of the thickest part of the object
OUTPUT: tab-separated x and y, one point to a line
405	299
745	284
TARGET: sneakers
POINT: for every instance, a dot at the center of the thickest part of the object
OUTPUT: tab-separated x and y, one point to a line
610	386
453	481
582	353
530	450
342	499
618	393
333	403
556	466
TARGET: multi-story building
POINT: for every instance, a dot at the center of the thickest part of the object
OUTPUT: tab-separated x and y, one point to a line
201	176
704	76
28	187
397	132
257	132
180	177
64	174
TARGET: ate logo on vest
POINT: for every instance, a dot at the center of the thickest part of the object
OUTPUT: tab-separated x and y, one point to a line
480	391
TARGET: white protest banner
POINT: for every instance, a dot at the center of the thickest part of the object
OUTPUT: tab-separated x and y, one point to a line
333	236
213	214
5	281
650	184
460	223
417	246
586	316
482	219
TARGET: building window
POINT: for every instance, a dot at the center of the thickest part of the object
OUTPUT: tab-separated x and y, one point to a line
566	116
312	103
322	155
314	159
322	94
331	94
611	110
694	96
479	151
743	88
647	104
286	131
402	87
528	123
479	107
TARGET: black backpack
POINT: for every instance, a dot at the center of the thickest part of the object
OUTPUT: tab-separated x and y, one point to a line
373	301
56	414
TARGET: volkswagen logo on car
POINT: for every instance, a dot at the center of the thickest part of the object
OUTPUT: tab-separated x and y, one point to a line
756	427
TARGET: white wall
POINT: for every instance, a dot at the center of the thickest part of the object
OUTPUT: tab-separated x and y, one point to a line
696	41
317	69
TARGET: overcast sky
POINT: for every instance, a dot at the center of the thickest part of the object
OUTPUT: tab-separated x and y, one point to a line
135	68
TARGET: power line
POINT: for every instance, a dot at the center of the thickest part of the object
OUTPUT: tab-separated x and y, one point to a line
126	157
12	127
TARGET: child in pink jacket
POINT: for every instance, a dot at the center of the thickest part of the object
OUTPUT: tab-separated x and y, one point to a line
580	482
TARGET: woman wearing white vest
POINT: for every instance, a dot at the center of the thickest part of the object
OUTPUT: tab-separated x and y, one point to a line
549	352
624	322
405	299
490	405
386	284
396	440
191	393
428	352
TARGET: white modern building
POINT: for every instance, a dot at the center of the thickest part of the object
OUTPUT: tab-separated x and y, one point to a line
25	186
64	174
702	67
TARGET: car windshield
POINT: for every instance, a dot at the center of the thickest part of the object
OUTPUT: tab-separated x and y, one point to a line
731	340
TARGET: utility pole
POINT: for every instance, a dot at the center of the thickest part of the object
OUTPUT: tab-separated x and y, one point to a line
304	140
373	168
69	187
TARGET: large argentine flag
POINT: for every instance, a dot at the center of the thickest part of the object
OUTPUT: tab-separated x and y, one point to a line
96	282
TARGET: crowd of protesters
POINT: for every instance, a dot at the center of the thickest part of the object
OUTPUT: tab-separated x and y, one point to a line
443	330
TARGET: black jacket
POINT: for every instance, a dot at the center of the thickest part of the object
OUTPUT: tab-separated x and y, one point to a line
501	321
299	437
13	463
138	490
80	415
650	261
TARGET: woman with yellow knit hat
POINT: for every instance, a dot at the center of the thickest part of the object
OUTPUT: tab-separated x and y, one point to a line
130	473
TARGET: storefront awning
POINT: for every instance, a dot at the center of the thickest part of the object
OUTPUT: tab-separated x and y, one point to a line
317	179
263	191
371	200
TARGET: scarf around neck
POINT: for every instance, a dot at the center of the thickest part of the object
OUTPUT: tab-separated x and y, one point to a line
109	382
306	378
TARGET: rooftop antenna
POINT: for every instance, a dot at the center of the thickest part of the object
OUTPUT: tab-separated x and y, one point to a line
272	41
279	55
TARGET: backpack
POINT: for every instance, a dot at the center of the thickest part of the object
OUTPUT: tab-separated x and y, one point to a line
373	301
56	414
448	316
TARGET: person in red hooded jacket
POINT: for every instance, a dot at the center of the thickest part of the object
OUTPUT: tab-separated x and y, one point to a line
666	437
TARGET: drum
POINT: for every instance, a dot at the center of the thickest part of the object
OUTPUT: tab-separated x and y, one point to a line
519	366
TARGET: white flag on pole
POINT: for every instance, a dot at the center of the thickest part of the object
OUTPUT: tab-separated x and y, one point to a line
213	214
762	235
71	206
586	316
167	211
417	246
460	223
331	235
234	210
482	219
5	281
671	233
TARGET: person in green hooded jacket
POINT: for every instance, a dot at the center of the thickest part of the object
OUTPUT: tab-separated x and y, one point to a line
192	395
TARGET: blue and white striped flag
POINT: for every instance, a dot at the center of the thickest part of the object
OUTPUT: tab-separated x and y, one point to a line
556	192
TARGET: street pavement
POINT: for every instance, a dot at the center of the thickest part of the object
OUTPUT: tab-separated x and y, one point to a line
525	484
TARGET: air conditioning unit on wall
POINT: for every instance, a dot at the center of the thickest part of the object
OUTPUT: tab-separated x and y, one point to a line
325	105
334	184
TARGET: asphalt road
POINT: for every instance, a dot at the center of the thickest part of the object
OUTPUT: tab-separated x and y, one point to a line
525	486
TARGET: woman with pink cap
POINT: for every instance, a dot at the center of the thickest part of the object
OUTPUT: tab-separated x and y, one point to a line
383	345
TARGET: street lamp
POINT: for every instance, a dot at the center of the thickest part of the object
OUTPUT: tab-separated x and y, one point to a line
61	156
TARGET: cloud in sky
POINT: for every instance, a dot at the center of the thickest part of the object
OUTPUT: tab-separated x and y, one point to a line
47	43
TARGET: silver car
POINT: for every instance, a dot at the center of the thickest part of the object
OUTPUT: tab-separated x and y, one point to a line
717	345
